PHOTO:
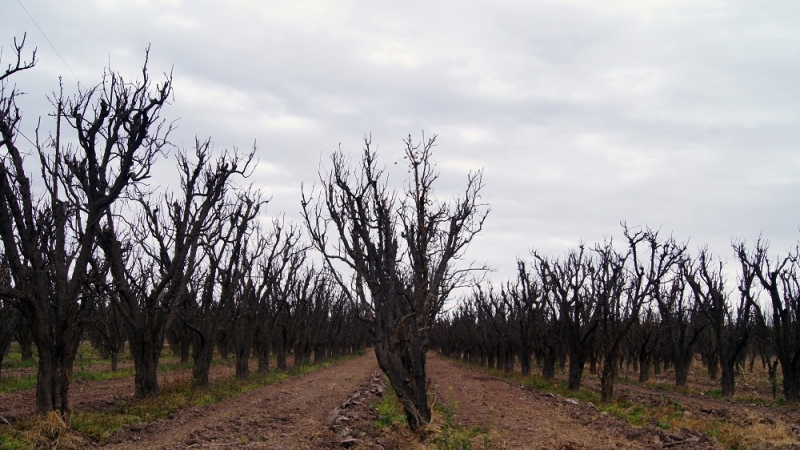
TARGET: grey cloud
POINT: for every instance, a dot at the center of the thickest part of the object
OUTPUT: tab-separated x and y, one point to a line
684	116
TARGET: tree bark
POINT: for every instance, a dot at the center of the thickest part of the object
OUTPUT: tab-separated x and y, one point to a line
146	351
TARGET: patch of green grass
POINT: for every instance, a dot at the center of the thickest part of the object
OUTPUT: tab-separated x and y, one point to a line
635	413
13	359
171	366
18	363
14	383
715	393
20	383
8	384
452	435
553	386
389	410
9	440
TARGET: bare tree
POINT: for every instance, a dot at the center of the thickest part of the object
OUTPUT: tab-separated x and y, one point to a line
568	281
495	315
153	257
9	314
401	251
617	305
229	259
107	332
49	238
681	324
623	284
549	339
643	341
781	281
729	328
277	270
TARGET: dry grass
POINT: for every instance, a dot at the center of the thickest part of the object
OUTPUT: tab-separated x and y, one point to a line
50	431
755	434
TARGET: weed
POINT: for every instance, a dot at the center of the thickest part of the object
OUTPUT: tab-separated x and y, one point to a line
14	383
389	410
715	393
451	435
10	440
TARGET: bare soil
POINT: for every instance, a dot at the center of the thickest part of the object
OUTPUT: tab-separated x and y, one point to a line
284	415
332	408
522	418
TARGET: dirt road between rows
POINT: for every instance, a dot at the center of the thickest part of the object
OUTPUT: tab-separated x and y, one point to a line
520	418
284	415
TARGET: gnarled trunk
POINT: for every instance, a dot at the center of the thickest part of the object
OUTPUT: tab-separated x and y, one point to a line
404	365
146	353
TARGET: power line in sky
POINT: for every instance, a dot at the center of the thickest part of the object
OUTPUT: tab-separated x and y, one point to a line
48	41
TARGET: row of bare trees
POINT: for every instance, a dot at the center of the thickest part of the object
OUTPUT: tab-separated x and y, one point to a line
91	249
647	303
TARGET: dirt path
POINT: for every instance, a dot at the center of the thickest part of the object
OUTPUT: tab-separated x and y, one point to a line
523	419
284	415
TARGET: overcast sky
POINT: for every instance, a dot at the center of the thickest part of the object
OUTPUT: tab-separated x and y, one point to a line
682	115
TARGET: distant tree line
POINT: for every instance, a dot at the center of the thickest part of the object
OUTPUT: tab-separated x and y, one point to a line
644	303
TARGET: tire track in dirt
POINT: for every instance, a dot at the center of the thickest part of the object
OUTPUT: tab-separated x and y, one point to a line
520	418
284	415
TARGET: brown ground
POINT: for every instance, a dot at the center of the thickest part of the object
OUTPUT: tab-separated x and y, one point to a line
331	408
283	415
522	418
739	413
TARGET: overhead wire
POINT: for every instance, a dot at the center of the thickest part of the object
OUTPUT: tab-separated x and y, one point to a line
30	16
49	42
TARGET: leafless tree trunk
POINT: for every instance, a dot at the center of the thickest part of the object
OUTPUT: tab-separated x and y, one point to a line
229	258
680	323
730	329
780	280
49	240
107	330
623	284
9	314
617	310
242	325
277	269
401	252
568	281
151	268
